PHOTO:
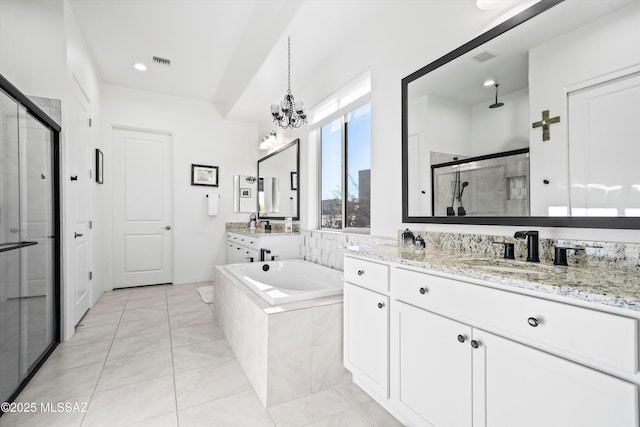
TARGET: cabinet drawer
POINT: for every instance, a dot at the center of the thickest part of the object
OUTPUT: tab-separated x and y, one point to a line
368	274
243	240
599	336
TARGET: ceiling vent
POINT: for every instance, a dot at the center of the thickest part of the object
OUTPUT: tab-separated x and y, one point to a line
483	56
163	62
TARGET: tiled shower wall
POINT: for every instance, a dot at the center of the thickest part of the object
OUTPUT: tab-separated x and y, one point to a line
327	248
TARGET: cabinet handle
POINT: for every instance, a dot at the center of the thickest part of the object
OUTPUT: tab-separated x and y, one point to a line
360	272
380	305
423	291
475	344
533	322
461	338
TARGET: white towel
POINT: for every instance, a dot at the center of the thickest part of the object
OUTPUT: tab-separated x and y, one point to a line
213	204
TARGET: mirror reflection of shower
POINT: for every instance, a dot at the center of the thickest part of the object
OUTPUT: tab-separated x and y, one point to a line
458	191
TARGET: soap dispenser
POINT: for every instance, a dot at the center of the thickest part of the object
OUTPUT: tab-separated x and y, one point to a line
407	237
252	221
420	243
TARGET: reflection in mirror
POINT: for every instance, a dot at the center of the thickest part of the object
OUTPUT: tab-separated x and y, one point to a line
278	191
244	193
268	195
561	85
474	186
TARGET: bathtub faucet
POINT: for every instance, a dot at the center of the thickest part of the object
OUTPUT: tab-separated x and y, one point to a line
263	252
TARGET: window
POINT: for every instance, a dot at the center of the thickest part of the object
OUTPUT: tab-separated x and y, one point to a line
345	171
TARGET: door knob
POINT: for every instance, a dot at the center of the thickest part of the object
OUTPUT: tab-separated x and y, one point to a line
76	235
475	344
360	272
461	338
423	290
380	304
168	227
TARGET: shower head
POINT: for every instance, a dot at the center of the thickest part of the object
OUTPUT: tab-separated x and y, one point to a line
462	187
496	104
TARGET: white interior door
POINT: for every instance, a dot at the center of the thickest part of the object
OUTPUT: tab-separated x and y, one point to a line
78	212
143	244
603	130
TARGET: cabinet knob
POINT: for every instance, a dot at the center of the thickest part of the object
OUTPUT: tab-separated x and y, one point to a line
423	291
533	322
360	272
380	305
475	344
462	338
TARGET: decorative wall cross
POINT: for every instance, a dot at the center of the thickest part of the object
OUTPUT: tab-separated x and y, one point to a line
544	123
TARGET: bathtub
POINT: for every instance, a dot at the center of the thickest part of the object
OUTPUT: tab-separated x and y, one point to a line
279	282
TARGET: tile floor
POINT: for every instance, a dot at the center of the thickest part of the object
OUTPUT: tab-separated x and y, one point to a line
154	356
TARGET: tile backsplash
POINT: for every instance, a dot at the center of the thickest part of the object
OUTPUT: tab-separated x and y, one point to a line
327	248
595	253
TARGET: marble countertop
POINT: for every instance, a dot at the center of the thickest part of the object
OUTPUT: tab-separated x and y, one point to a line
617	287
260	232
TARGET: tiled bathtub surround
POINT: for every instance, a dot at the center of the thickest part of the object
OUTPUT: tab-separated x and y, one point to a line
287	351
595	254
327	248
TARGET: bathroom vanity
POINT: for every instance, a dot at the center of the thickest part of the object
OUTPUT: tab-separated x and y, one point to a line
245	245
447	339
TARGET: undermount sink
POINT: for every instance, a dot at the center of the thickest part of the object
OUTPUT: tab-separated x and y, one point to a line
501	269
506	266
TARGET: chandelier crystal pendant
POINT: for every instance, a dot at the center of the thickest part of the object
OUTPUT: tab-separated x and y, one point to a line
289	114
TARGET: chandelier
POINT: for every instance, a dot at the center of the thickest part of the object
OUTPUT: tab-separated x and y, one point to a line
289	114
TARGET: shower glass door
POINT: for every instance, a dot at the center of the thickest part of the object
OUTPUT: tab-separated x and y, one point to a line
28	249
10	268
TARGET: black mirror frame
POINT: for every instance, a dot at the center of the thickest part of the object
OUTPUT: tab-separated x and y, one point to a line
295	142
540	221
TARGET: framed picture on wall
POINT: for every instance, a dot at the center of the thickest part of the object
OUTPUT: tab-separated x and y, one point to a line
204	175
99	167
245	192
294	180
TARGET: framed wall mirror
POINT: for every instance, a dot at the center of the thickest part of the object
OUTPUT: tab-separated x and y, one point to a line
278	195
531	123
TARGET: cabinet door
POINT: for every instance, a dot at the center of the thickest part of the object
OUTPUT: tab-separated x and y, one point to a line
230	252
433	367
366	323
518	385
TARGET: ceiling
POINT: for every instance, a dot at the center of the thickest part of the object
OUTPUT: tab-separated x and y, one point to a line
233	53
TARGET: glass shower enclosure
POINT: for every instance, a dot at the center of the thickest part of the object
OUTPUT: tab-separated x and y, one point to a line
29	236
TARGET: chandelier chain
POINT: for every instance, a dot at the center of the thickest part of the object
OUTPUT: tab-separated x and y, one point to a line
289	66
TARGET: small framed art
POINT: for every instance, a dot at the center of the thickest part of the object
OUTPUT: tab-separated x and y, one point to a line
204	175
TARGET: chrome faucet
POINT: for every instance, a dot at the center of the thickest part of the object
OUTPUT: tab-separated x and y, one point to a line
532	244
263	252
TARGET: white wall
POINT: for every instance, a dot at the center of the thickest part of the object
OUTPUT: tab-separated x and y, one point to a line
494	130
33	46
199	135
559	66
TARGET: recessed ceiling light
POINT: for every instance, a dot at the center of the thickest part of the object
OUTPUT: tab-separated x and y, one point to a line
489	83
139	66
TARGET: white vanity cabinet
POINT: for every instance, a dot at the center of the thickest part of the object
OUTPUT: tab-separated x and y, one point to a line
464	354
245	247
366	324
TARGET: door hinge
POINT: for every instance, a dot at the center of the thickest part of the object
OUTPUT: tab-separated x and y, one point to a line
90	122
91	275
90	225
